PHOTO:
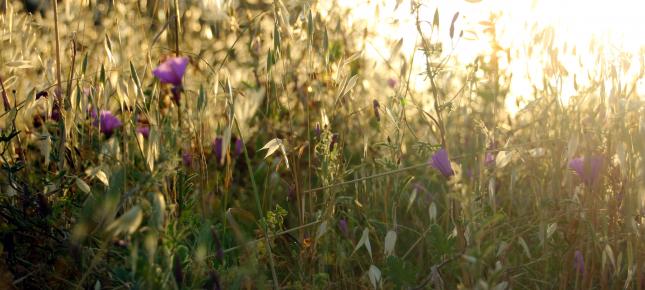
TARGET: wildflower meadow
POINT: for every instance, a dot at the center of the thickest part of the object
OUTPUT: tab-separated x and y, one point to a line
310	144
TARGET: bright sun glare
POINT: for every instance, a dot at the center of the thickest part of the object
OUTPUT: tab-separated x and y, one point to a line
615	25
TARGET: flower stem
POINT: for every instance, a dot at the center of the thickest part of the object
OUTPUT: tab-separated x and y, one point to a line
59	92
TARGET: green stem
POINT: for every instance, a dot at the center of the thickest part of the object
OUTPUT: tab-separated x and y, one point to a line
259	206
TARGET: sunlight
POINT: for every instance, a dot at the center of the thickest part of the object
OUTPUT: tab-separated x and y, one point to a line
578	30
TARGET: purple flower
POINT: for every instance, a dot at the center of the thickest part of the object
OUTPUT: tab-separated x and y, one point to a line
107	121
587	171
317	130
187	158
489	160
239	147
343	227
172	70
55	112
377	114
579	262
217	148
391	82
441	162
144	130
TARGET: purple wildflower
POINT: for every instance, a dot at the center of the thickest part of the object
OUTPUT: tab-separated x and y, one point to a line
377	114
187	158
55	115
391	82
172	70
343	227
144	130
489	160
587	171
441	162
579	262
317	130
108	122
239	147
217	148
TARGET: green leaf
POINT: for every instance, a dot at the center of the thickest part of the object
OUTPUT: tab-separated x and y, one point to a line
135	77
310	25
399	271
276	36
201	99
84	66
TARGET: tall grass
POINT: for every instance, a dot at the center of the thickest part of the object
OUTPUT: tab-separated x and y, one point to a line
293	160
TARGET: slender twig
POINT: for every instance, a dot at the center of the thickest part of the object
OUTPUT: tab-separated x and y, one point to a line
291	230
177	27
71	70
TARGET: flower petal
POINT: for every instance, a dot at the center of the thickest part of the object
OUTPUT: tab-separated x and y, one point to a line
441	162
172	70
